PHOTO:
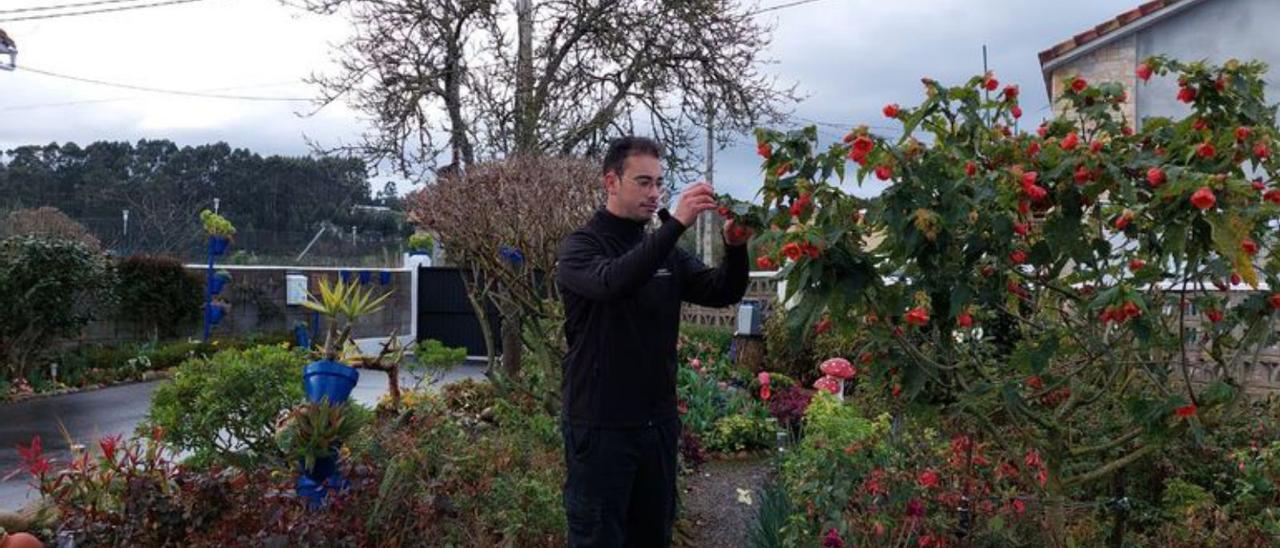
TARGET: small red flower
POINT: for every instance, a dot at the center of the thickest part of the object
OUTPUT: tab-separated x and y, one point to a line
991	84
1136	264
822	326
1261	151
1187	95
1042	131
1070	141
1018	256
884	172
1214	316
1021	229
1200	124
1258	186
1036	193
1079	85
765	262
1083	175
860	148
1156	177
1206	150
1185	411
1010	92
1272	196
891	110
1033	149
1235	279
1274	300
1203	198
970	169
764	149
1249	246
1131	310
928	479
782	169
1016	111
1144	72
917	316
1029	178
1243	133
1024	207
964	320
765	393
792	251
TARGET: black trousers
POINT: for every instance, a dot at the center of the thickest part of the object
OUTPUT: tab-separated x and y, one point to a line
621	485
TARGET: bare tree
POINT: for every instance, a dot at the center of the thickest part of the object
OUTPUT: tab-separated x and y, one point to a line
445	77
502	223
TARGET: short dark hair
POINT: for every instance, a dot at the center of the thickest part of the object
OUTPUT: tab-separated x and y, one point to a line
625	147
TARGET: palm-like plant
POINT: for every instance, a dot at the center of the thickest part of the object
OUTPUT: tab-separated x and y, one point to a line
343	304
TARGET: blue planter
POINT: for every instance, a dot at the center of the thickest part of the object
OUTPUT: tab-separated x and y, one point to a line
315	484
365	277
326	379
384	277
215	315
218	245
346	276
216	284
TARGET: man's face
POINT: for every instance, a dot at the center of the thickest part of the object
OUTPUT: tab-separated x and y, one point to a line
634	194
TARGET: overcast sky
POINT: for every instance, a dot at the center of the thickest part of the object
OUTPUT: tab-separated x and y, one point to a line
848	57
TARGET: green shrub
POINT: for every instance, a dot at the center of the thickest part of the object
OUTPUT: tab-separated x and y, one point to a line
48	289
739	433
156	292
223	409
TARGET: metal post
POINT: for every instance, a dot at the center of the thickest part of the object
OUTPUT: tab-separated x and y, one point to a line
208	287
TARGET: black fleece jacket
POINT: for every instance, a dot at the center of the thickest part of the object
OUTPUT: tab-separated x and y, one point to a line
622	290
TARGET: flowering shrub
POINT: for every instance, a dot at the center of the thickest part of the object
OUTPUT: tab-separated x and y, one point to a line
1092	237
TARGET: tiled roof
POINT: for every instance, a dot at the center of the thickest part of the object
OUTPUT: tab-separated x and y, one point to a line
1113	26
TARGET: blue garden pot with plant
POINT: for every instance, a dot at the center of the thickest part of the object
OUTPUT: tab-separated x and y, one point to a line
216	313
218	245
216	284
329	379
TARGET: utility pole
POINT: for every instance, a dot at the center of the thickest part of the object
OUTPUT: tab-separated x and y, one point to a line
706	230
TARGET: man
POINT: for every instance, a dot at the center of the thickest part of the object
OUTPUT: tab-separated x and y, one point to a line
622	289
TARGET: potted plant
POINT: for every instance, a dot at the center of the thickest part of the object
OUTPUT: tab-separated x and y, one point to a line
311	434
217	311
421	243
329	377
219	281
219	229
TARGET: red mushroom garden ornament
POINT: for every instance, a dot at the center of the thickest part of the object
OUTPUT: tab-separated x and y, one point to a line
839	369
829	384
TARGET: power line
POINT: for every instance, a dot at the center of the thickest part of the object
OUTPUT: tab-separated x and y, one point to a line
781	6
100	10
36	106
79	5
162	90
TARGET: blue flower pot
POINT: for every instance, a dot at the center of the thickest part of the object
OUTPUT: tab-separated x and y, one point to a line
216	314
346	276
218	245
315	484
331	380
384	277
216	284
365	277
